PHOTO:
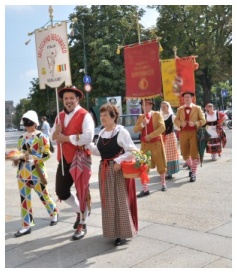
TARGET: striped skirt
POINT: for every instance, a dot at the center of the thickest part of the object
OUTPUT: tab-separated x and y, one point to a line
116	215
172	154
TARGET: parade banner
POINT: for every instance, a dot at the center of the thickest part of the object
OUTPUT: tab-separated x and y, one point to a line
133	106
185	67
117	101
185	72
142	70
53	56
170	82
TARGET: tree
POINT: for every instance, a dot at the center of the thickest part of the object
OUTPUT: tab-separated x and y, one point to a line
105	28
41	101
205	31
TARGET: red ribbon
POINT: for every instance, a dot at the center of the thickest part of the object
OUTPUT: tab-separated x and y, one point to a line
143	175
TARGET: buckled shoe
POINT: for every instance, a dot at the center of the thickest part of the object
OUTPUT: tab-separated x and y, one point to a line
164	188
19	234
119	242
80	232
143	193
192	178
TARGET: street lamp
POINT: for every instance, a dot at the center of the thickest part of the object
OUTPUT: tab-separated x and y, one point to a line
74	21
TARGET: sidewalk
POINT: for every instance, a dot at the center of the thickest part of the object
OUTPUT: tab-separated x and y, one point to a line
189	226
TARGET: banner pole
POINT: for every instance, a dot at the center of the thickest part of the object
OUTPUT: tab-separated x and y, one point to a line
144	107
59	121
138	30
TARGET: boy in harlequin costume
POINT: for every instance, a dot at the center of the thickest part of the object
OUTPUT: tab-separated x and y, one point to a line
35	149
151	125
189	118
73	129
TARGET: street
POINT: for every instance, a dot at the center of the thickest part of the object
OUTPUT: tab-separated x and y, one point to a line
12	137
189	226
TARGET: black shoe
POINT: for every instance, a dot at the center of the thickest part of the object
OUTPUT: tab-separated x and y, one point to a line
143	193
77	221
164	188
80	232
169	176
192	178
190	174
19	234
119	242
53	223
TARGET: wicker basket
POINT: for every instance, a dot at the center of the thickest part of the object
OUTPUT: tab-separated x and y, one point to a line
129	171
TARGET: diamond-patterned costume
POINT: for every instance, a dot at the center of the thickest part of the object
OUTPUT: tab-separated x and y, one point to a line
38	145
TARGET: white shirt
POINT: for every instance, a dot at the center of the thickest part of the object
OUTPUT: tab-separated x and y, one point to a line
211	129
45	128
87	128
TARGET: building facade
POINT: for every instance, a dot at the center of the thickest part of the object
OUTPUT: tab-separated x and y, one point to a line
9	112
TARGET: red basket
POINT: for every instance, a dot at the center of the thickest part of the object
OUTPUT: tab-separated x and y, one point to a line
129	171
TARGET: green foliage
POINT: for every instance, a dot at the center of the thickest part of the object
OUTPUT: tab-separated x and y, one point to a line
142	158
204	31
201	30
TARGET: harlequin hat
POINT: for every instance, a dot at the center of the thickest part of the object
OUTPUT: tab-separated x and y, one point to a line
71	88
151	101
188	92
31	115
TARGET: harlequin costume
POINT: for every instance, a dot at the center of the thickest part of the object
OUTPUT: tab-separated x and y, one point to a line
154	129
29	177
188	134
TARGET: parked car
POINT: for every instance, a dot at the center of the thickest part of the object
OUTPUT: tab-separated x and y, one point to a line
10	129
128	121
22	128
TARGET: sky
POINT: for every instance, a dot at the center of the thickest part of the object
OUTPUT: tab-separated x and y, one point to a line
20	59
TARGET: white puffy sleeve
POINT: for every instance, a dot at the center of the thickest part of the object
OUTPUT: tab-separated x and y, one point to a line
125	141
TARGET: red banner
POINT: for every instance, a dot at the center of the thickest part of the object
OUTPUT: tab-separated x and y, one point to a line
185	72
185	67
142	70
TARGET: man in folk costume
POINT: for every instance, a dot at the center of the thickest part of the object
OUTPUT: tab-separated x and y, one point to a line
151	125
189	118
73	129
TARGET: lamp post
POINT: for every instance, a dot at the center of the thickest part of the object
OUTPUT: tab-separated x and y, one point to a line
75	20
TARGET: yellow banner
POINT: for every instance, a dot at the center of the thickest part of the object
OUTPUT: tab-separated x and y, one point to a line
169	81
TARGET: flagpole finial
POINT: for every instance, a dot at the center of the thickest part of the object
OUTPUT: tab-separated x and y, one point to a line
51	14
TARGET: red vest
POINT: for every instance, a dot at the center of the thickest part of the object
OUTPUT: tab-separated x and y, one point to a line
187	127
74	127
149	130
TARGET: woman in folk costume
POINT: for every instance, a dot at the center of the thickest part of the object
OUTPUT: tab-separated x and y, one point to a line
118	195
73	129
31	172
214	123
151	125
170	139
189	118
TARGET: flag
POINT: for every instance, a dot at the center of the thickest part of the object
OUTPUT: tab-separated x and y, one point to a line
53	56
142	70
177	77
171	85
61	67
